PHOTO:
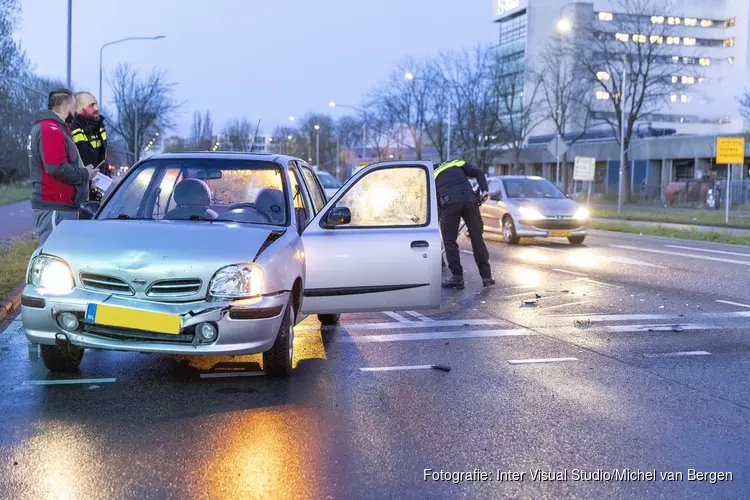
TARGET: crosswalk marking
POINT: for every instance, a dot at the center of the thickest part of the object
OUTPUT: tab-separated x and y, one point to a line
405	337
419	316
542	360
397	317
394	368
398	326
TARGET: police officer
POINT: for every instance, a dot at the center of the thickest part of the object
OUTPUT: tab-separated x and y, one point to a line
458	201
89	134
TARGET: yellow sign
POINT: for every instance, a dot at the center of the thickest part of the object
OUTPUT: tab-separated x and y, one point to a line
730	150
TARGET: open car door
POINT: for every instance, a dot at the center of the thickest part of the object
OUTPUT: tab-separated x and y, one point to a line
375	246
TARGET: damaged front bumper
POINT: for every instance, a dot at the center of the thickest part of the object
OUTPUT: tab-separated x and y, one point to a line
245	326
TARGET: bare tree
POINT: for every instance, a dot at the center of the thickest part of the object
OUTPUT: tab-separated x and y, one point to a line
744	101
202	132
145	106
238	135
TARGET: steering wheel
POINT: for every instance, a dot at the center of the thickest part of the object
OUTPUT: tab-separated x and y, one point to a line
252	206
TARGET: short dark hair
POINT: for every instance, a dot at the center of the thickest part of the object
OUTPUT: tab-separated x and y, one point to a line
57	98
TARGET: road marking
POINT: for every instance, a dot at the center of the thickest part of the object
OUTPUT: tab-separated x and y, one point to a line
419	316
674	354
401	326
516	295
397	317
394	368
598	282
542	360
564	305
569	272
723	252
681	254
560	250
651	317
405	337
733	303
467	251
633	262
657	328
70	381
232	374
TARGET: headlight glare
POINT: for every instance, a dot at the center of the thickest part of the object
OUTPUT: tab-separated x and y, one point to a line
530	213
237	281
581	214
51	275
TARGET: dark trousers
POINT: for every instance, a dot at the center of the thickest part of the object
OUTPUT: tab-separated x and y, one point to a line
450	220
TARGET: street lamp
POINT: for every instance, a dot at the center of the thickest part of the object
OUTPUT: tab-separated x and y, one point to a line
291	118
70	41
564	26
101	56
317	146
409	75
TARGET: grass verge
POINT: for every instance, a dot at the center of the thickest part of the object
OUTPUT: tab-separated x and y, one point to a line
12	193
685	234
13	262
708	218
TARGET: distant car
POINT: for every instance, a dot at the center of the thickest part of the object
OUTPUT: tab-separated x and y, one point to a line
222	254
521	207
331	185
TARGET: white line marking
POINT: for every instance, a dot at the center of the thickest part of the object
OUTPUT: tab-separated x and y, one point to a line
401	326
404	337
682	353
394	368
598	282
723	252
560	250
623	317
564	305
232	374
657	328
419	316
569	272
681	254
632	262
733	303
467	251
543	360
70	381
397	317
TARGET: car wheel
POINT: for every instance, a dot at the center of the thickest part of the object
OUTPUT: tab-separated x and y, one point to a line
509	231
576	240
329	319
277	361
61	359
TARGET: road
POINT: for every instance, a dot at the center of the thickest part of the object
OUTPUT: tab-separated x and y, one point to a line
15	219
637	356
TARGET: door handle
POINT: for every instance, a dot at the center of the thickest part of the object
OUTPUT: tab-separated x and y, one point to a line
419	244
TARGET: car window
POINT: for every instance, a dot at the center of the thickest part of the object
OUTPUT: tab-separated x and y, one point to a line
388	197
202	189
329	181
318	196
302	205
531	188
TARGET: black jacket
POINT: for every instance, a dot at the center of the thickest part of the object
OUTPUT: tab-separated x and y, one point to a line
453	183
90	138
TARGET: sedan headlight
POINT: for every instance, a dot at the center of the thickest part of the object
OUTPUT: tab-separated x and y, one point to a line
51	275
581	214
530	213
238	281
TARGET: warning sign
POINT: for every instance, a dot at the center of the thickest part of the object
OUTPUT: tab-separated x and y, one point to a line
730	150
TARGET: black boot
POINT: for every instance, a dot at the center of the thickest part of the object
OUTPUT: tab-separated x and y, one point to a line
454	282
488	282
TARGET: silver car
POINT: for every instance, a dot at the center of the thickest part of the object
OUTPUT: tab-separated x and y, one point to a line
522	207
222	254
331	185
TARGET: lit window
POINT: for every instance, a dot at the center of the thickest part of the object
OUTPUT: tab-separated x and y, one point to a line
729	43
700	80
686	60
605	16
657	39
673	21
675	79
730	22
639	38
704	61
684	99
622	37
673	98
675	58
690	21
602	75
682	120
673	40
688	80
706	23
688	41
601	95
657	19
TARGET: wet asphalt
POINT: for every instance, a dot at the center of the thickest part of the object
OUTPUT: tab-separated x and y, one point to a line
629	352
16	219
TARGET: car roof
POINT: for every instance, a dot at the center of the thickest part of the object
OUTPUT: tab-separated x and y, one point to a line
498	177
228	155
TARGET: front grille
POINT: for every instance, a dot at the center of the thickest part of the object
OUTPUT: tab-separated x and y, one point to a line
553	224
186	337
175	288
101	283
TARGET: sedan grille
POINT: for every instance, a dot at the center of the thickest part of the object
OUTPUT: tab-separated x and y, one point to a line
175	288
101	283
552	224
186	337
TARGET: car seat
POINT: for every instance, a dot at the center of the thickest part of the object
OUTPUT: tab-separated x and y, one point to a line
271	201
192	197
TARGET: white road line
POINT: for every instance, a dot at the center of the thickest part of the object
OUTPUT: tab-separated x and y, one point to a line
723	252
658	328
405	337
542	360
681	254
674	354
467	251
598	282
565	305
394	368
400	326
569	272
232	374
551	249
602	318
732	303
397	317
419	316
70	381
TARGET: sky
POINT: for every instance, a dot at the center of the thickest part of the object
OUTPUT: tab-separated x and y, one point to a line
262	60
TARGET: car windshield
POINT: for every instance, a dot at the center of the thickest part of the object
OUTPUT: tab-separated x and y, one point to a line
201	189
531	188
329	181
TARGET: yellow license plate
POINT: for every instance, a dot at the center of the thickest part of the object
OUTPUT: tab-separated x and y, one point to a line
559	233
134	319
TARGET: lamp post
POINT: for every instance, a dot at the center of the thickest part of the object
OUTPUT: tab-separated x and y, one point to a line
364	125
621	183
101	56
317	146
70	42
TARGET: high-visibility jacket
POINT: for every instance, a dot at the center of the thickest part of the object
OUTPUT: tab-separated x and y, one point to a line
90	137
452	181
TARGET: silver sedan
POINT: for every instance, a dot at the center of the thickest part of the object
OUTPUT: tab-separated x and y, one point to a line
522	207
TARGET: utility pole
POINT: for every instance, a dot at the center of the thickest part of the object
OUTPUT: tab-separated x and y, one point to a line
338	157
135	138
448	148
70	41
557	154
621	182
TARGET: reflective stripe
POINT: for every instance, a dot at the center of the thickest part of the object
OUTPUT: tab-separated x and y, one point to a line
96	144
103	134
79	138
445	166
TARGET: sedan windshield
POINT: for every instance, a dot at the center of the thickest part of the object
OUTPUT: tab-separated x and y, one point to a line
201	189
531	188
329	181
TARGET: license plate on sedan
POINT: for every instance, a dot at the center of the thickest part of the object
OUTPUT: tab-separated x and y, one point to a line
561	234
134	319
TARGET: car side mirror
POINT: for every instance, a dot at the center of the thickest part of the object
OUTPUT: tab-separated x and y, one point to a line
88	209
338	216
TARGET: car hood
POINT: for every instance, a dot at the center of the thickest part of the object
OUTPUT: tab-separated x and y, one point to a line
143	252
549	206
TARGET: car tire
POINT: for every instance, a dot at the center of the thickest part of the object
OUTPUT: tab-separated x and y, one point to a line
277	361
330	319
61	360
509	231
576	240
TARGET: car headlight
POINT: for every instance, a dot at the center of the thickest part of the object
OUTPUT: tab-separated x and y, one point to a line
51	275
581	214
237	281
530	213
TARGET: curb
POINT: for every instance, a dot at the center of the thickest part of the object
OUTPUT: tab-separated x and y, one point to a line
11	304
